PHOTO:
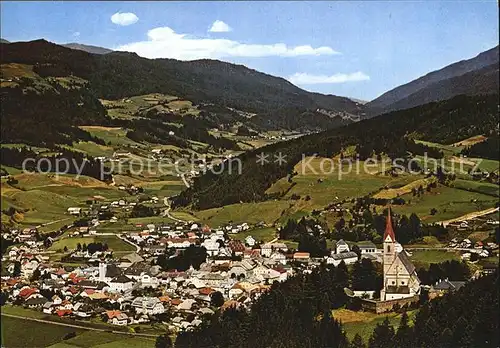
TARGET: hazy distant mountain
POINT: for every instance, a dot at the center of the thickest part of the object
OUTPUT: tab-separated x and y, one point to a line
478	75
3	41
88	48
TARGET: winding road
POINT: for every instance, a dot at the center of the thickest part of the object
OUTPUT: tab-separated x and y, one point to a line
166	212
469	216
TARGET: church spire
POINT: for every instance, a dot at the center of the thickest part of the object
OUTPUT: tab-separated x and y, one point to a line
389	232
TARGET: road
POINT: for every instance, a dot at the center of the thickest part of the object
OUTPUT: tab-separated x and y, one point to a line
166	212
52	222
79	326
409	248
469	216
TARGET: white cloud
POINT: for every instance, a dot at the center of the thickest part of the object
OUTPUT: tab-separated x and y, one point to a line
219	27
163	42
307	79
76	34
126	18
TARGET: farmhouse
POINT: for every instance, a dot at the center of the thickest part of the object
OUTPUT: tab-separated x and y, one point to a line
74	210
148	305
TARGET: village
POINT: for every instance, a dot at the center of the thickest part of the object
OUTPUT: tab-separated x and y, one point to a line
180	273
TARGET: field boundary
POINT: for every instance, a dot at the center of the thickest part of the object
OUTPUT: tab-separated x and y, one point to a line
79	326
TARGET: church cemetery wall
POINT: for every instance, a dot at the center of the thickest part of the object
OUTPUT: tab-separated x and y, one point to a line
386	306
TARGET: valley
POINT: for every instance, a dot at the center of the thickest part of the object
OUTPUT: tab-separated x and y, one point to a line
134	189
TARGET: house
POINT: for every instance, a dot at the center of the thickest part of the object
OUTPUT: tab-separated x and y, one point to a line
341	247
47	307
121	284
148	305
63	312
236	247
443	286
250	241
348	258
301	256
212	246
367	248
116	318
186	305
74	210
35	302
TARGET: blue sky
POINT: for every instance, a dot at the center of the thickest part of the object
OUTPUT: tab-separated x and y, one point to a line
356	49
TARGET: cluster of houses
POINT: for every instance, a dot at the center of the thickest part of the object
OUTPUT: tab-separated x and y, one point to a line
480	249
133	289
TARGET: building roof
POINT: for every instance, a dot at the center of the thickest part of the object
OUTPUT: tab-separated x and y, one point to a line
343	256
388	228
366	245
406	262
121	279
35	301
27	292
112	271
448	285
236	246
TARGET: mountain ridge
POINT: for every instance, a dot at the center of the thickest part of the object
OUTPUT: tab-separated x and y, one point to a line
117	75
87	48
386	102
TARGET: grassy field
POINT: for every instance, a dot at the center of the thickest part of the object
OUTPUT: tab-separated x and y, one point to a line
396	192
447	149
26	333
93	149
251	213
449	202
111	135
106	339
260	234
477	186
488	165
44	198
423	258
50	335
363	323
114	243
325	184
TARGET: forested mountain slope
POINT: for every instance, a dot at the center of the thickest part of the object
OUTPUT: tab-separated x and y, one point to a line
444	122
121	74
475	76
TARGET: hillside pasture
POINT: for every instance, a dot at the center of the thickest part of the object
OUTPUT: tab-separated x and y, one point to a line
396	192
116	244
477	186
325	184
449	203
268	211
114	136
265	234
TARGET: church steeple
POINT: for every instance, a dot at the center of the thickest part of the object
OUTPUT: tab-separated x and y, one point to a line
389	232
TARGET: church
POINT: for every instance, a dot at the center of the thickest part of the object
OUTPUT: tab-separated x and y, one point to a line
400	275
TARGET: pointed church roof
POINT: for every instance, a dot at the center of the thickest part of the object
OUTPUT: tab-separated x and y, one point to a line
388	227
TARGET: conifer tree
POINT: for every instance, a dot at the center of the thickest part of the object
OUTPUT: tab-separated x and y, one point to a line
383	335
